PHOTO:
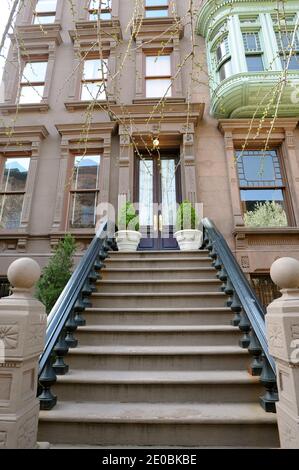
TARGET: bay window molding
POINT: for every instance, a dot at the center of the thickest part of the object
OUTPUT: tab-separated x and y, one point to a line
30	45
236	132
149	36
85	39
76	139
23	141
26	15
84	15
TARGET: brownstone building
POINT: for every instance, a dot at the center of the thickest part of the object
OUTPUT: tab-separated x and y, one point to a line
73	90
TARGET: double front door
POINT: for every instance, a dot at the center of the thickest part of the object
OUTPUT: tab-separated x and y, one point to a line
158	191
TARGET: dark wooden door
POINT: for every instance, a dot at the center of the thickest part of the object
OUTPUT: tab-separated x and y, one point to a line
158	190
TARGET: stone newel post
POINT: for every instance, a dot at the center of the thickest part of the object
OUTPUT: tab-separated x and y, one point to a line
282	323
22	336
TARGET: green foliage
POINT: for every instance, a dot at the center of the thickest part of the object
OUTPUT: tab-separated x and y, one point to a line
56	275
268	214
128	219
186	217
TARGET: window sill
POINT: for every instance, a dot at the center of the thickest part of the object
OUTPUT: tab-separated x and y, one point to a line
84	105
24	108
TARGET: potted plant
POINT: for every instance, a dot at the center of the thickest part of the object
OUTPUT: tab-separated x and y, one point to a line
128	235
189	238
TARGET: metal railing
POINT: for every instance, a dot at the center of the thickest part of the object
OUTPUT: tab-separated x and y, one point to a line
66	315
248	312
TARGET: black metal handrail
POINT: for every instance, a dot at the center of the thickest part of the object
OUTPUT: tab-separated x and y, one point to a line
65	316
249	313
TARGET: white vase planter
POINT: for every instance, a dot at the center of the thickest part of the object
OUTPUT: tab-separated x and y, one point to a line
127	240
189	240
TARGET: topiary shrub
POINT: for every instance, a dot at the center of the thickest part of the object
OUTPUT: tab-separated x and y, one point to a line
268	214
186	217
58	272
128	218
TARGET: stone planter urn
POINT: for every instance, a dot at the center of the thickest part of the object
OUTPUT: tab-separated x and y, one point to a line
127	240
189	239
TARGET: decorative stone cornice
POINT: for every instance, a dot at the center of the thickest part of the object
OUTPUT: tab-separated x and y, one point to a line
86	34
237	130
78	137
172	112
36	39
24	108
212	8
21	138
158	28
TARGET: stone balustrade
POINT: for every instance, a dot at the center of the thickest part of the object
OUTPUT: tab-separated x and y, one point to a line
22	337
282	323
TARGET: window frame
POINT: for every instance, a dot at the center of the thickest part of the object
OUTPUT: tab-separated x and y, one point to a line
43	14
287	205
152	8
73	191
158	77
104	11
94	80
4	192
33	84
257	51
225	59
295	53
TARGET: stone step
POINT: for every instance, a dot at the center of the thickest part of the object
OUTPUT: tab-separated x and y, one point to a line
146	274
161	262
159	424
158	358
159	286
160	300
159	254
158	386
152	316
158	335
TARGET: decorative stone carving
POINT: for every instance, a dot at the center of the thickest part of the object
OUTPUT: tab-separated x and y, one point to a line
282	324
22	330
9	335
245	262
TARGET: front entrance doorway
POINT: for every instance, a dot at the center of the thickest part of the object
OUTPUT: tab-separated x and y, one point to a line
158	191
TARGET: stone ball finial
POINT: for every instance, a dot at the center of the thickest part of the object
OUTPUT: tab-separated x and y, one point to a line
23	273
285	273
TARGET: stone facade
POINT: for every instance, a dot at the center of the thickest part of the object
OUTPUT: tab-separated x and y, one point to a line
62	125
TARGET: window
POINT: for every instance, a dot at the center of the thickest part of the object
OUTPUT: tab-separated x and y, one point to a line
105	7
33	82
158	76
156	8
45	11
265	289
253	52
12	191
4	287
288	45
223	59
85	191
94	78
260	178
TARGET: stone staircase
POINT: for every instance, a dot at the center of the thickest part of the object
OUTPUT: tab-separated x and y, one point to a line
158	363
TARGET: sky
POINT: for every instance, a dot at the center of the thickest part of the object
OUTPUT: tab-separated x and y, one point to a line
4	13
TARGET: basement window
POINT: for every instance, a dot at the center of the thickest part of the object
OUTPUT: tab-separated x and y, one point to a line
265	289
